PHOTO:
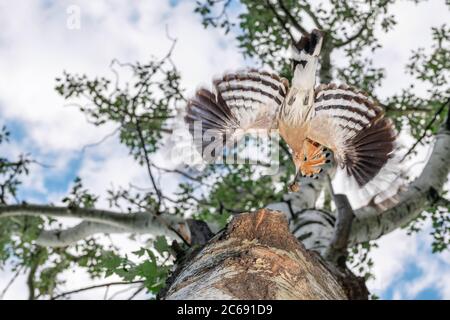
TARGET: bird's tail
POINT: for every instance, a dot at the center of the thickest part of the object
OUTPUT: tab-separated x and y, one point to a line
305	55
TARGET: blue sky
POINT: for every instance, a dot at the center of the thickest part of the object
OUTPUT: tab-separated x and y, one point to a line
36	46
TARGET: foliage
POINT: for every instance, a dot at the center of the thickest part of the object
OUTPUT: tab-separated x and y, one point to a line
11	171
79	197
359	260
151	269
439	216
430	68
266	28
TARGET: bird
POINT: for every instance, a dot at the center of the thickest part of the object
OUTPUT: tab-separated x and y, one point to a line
322	124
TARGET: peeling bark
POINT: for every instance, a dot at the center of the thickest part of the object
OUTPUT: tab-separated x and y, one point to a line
256	257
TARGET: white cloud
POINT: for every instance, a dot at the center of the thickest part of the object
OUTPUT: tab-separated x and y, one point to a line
405	264
18	288
412	31
36	50
391	258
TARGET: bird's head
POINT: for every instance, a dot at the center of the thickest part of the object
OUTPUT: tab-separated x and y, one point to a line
305	55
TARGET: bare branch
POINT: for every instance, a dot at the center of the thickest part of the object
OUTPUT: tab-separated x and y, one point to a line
282	22
32	273
182	173
390	110
148	164
293	20
65	237
99	142
438	112
340	43
16	274
139	290
310	13
134	222
95	287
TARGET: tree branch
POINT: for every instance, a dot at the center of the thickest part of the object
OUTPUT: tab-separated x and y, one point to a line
294	21
148	164
369	224
182	173
95	287
134	222
337	250
310	13
325	72
65	237
282	22
437	113
5	290
340	43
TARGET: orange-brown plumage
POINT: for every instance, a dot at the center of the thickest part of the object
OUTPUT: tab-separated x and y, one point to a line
320	124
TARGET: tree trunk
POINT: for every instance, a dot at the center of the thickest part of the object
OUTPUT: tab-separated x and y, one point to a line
256	257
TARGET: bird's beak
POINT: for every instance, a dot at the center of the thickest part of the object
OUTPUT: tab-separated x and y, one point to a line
294	186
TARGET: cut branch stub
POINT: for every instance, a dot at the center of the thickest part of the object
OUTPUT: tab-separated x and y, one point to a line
255	257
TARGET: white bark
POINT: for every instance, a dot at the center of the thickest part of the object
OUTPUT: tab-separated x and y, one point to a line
371	224
83	230
98	221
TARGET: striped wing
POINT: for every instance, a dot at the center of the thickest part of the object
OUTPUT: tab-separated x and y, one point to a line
353	126
240	102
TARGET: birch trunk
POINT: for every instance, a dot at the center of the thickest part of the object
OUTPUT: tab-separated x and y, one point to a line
256	257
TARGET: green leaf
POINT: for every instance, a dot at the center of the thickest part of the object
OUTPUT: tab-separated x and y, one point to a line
161	244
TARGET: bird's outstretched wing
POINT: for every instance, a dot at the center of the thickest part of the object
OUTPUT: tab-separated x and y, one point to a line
354	127
239	102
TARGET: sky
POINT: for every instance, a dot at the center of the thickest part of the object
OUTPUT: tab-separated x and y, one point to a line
38	41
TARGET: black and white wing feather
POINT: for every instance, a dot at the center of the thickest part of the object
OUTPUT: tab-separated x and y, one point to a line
354	127
240	102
